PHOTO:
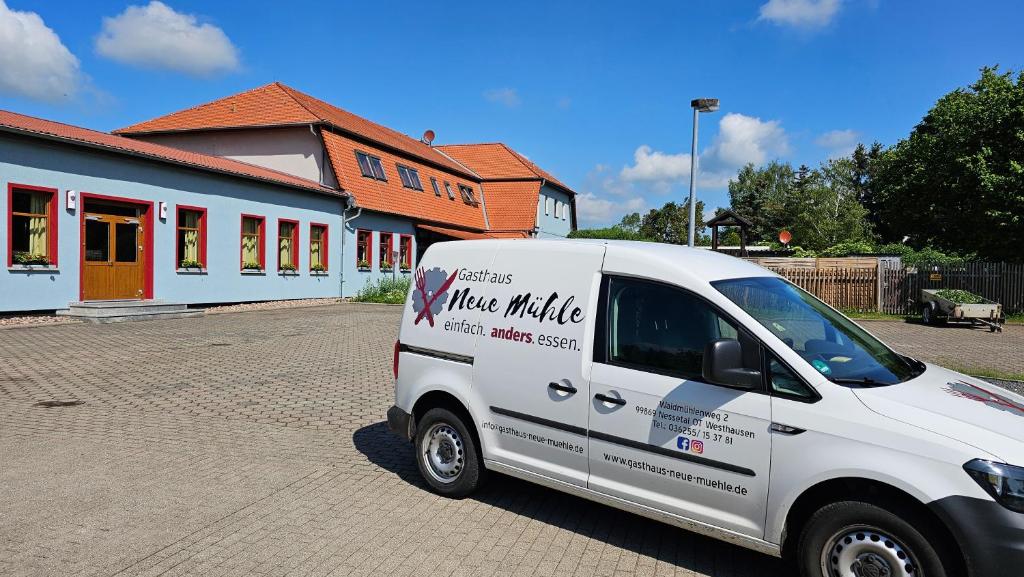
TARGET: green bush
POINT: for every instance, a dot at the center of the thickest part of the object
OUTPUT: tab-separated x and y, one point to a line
849	248
610	233
385	290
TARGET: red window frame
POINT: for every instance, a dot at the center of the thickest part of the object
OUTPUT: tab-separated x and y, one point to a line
324	244
385	256
368	243
261	246
202	233
51	221
295	242
406	241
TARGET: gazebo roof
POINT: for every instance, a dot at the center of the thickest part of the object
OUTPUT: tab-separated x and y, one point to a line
728	218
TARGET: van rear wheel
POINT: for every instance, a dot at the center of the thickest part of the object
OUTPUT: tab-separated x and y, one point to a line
854	539
446	454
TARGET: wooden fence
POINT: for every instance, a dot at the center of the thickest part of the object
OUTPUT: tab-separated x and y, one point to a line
843	288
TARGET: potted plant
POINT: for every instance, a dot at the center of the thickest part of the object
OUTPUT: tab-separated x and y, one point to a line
317	267
253	266
386	267
405	268
287	268
363	264
29	259
190	264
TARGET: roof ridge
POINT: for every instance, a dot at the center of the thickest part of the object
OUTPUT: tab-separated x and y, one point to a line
457	161
524	161
200	105
473	144
291	94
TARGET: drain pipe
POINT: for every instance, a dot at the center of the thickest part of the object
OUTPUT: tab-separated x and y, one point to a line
350	204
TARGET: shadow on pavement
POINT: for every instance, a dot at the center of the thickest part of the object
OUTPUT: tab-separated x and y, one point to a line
642	536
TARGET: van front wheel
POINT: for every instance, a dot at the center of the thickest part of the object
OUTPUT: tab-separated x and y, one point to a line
854	539
446	454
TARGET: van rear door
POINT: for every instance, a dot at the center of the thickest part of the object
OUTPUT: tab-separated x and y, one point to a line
532	361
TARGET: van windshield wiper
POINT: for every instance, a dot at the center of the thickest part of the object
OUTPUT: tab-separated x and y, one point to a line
862	381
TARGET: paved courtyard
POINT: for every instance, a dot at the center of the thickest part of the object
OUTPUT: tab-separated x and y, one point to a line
253	444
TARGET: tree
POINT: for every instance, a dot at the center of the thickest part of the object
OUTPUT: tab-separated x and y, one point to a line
670	223
957	182
760	195
630	222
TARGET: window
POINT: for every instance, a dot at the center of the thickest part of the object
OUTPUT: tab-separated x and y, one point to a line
410	177
31	225
785	383
370	166
433	183
448	188
558	209
661	329
467	194
385	262
547	205
318	247
405	252
191	225
565	210
364	249
253	257
287	244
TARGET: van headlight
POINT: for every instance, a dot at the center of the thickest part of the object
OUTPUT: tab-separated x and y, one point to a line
1004	482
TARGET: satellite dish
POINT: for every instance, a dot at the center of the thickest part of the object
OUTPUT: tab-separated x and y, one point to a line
428	137
785	237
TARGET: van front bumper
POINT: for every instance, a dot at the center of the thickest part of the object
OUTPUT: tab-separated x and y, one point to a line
398	422
990	535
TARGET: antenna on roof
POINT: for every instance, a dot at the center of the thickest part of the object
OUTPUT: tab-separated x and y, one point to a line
428	137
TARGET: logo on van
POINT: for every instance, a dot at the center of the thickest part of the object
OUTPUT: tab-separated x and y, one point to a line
693	446
431	292
966	390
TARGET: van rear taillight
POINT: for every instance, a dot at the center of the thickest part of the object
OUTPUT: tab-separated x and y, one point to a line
394	368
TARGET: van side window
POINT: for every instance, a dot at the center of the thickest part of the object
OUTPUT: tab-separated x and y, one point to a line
660	329
785	383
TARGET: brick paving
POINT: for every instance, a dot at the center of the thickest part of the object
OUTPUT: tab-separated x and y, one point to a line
253	444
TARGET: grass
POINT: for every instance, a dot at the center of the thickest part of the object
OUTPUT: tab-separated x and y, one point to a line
386	290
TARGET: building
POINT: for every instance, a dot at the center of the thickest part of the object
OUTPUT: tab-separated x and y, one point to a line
267	194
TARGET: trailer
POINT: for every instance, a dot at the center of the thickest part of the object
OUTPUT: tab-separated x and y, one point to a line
942	305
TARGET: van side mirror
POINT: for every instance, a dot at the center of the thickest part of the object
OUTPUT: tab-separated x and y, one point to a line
723	365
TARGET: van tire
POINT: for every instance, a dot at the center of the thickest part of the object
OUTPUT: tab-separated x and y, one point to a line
446	454
891	539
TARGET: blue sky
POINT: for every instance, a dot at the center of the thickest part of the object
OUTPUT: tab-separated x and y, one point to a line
596	92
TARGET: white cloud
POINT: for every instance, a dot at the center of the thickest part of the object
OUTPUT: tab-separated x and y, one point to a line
34	63
155	36
800	13
838	142
740	139
594	211
507	97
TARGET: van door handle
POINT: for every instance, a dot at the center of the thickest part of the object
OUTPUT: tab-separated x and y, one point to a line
610	399
563	388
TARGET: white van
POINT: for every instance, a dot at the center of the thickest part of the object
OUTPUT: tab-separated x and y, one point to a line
706	392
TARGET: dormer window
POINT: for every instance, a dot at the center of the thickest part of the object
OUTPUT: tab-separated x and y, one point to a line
467	194
448	188
437	190
410	177
370	166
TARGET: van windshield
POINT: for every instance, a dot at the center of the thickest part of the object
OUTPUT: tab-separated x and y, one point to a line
833	344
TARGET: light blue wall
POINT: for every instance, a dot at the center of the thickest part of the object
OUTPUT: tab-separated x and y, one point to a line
376	222
551	227
40	163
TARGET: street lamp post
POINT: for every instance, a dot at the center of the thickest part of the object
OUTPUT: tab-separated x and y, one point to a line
699	105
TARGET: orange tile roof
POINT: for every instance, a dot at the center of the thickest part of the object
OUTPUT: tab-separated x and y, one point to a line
278	105
469	235
497	161
512	205
390	196
13	122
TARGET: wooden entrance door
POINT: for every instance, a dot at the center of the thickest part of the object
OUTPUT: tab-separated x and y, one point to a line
113	266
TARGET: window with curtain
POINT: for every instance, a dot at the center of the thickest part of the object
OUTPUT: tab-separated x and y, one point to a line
386	244
364	247
286	245
190	238
318	248
31	227
405	252
252	243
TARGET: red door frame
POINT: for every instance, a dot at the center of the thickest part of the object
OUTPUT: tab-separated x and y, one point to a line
147	260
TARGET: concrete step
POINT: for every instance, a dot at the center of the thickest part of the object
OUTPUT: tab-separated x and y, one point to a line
127	310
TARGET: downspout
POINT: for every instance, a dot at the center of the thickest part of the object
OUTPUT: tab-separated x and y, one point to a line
349	204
